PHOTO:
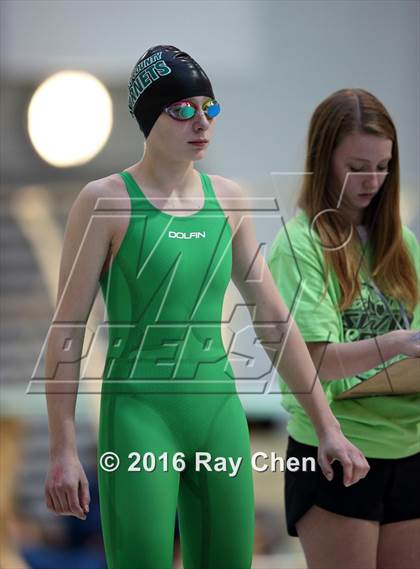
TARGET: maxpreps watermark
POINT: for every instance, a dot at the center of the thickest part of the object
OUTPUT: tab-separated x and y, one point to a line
204	461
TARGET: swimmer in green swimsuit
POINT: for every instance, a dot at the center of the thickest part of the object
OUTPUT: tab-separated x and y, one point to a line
168	389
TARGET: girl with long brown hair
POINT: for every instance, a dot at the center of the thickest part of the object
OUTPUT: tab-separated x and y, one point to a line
348	270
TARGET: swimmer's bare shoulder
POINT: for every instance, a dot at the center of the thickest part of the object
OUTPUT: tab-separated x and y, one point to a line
245	248
96	221
232	198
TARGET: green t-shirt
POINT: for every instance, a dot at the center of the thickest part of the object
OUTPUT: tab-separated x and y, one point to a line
380	426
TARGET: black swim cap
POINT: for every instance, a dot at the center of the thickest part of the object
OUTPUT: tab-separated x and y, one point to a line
163	75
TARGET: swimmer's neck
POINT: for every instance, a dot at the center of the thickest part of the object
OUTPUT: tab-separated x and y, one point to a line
164	175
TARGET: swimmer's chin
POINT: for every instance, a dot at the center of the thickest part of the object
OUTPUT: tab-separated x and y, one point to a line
198	151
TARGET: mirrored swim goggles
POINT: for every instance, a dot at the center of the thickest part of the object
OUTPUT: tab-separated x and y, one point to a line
186	110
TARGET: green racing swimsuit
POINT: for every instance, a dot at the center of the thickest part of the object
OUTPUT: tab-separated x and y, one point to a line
168	388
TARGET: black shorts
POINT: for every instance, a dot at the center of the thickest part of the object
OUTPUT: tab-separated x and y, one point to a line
389	493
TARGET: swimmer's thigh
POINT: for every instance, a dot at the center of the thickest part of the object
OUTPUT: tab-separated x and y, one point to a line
216	510
138	507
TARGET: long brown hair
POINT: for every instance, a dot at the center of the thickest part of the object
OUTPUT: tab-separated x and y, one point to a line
342	113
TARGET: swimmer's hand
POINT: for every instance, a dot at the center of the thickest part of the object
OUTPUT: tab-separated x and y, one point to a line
333	445
66	486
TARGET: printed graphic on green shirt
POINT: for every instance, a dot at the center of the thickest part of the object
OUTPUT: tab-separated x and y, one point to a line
370	316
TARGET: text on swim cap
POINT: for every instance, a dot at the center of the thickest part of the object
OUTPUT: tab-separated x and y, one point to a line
145	73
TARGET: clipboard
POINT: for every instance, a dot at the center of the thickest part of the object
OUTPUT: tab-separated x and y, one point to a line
400	378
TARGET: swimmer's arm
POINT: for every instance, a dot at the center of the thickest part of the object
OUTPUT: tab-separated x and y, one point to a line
273	324
276	330
86	242
338	360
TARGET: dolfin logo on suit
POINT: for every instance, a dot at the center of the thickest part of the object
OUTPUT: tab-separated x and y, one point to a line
183	235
